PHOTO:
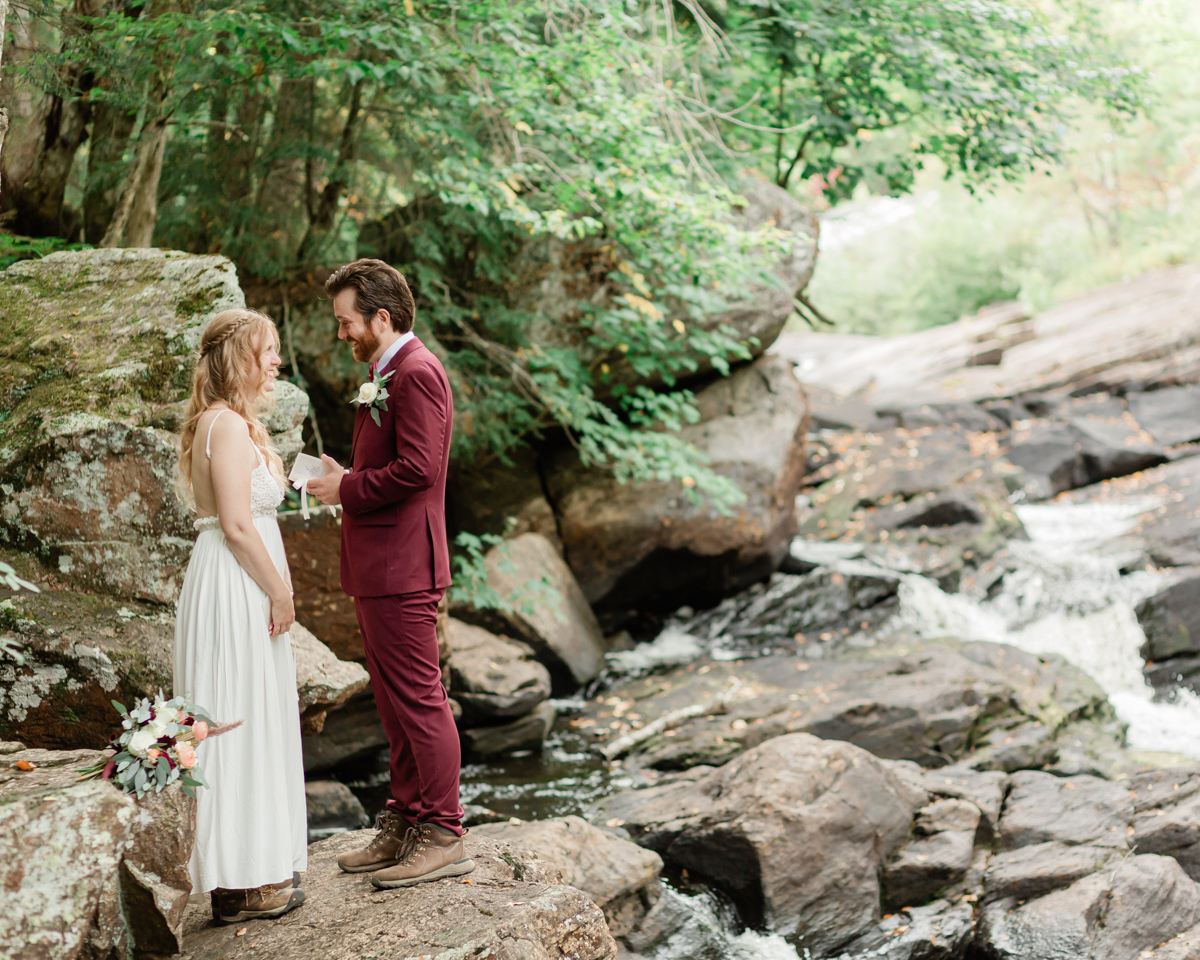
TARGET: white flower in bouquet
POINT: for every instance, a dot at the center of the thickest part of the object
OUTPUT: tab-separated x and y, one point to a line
142	740
368	392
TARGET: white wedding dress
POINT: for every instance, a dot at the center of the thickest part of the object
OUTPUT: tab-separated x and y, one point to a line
251	823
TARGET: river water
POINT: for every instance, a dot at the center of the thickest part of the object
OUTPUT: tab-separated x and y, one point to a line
1063	592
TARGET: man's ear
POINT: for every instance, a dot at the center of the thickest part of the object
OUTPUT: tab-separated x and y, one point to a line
382	316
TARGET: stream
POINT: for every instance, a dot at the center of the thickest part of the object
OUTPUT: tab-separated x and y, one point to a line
1062	592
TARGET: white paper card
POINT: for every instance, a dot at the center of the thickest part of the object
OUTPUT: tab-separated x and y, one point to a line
307	468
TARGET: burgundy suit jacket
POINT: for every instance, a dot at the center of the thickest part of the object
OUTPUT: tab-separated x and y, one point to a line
394	498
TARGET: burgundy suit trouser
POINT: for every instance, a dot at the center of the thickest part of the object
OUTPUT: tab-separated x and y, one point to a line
400	638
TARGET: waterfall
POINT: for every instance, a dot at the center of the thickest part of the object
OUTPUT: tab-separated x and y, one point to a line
1064	593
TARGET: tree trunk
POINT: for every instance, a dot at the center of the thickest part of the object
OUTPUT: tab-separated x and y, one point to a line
111	130
321	222
3	109
133	220
55	128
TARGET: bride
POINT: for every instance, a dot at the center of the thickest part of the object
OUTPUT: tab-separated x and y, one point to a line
233	655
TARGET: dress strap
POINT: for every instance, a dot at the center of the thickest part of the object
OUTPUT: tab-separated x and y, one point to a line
208	440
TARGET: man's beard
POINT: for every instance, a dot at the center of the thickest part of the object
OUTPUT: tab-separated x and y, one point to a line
364	347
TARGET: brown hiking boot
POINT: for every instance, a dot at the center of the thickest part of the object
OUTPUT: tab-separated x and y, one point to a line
265	902
392	843
436	854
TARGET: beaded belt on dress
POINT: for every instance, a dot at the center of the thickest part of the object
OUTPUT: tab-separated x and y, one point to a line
214	523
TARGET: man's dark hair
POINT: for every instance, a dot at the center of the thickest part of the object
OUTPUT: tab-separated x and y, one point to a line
377	286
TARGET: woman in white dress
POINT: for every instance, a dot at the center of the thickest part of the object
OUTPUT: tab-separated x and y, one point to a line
233	655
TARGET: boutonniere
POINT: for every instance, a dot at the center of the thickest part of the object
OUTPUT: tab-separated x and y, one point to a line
373	395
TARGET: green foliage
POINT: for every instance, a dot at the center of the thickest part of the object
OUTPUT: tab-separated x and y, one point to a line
1126	200
558	179
984	86
471	584
14	248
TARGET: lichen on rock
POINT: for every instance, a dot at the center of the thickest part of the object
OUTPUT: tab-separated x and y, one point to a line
96	356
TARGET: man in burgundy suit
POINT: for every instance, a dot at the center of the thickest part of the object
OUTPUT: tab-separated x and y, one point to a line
396	566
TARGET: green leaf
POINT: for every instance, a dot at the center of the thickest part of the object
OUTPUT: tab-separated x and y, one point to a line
120	707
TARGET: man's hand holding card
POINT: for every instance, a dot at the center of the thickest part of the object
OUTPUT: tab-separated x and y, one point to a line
320	477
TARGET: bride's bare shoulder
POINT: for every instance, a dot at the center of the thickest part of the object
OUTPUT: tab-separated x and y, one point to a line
221	432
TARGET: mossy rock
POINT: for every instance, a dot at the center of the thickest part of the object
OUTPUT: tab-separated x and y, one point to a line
96	356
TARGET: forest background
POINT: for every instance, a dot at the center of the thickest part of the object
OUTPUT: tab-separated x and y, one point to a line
960	152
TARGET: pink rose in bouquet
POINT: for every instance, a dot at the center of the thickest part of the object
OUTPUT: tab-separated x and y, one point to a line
185	755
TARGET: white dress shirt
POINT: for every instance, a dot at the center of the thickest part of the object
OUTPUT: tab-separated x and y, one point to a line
393	350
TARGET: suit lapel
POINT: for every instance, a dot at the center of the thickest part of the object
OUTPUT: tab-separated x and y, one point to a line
392	365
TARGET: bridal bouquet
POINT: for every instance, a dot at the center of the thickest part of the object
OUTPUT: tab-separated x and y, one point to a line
156	747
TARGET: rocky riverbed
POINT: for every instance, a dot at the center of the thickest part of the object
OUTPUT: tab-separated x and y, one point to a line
930	692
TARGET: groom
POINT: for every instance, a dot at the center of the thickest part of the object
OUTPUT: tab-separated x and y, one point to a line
396	566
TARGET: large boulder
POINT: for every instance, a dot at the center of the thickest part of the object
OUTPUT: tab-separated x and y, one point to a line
1171	621
928	707
314	552
83	650
1074	810
514	905
620	877
1139	334
323	682
646	543
491	677
1111	915
87	869
796	831
96	354
545	609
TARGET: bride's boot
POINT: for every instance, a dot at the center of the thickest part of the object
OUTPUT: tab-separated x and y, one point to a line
265	902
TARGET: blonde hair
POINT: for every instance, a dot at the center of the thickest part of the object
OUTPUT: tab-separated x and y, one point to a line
228	346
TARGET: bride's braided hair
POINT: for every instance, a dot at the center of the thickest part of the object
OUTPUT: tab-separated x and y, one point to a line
229	346
216	334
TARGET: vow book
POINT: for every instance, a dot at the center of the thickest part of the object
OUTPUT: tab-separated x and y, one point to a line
304	469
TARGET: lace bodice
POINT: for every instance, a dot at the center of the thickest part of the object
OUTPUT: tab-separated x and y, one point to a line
265	492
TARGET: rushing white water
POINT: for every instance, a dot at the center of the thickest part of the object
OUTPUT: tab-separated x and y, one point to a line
1064	593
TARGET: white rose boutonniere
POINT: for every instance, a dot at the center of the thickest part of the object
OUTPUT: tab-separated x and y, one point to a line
368	392
373	395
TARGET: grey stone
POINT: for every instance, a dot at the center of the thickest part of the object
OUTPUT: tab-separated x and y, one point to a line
984	789
1139	333
1183	946
924	707
323	682
647	543
1172	829
620	877
1163	786
87	869
527	733
939	510
936	931
350	732
927	865
1052	459
1170	415
1171	621
1072	810
562	630
1038	869
1112	915
83	651
795	830
105	339
516	906
492	677
331	804
1114	448
949	814
1029	746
